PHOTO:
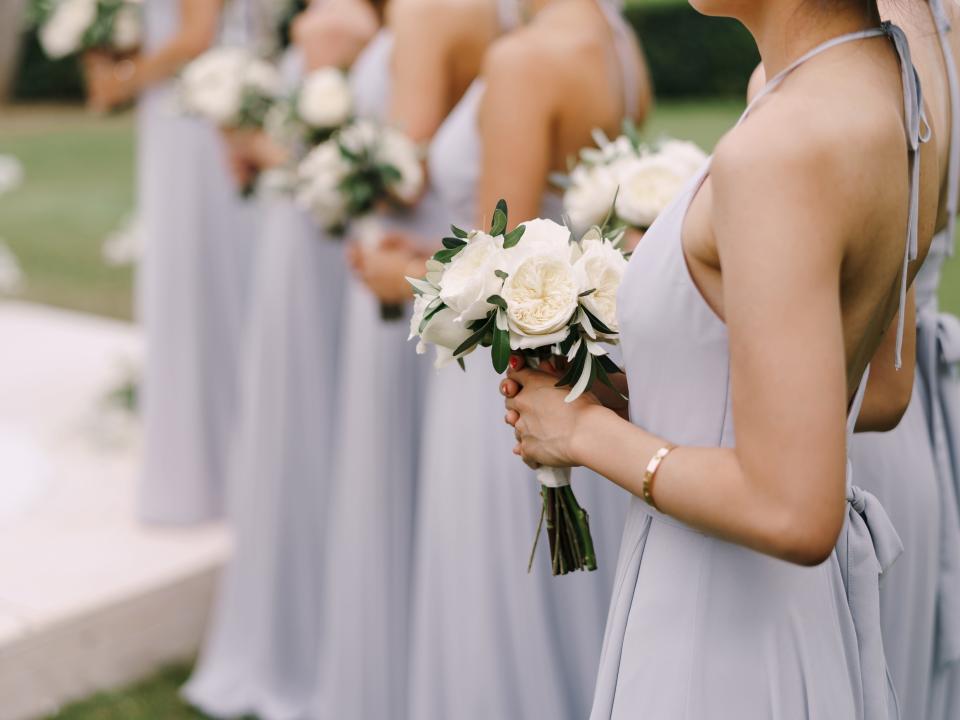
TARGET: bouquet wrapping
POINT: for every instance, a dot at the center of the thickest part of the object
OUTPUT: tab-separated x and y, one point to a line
362	167
540	292
73	26
637	180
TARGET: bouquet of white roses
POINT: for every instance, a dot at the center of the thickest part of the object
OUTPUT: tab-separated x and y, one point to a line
72	26
363	166
538	292
318	107
635	179
231	87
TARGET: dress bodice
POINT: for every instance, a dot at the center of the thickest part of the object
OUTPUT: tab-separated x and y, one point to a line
370	78
162	18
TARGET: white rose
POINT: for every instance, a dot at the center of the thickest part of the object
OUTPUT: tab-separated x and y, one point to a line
600	268
470	278
685	154
324	100
648	185
127	27
319	176
63	32
262	78
359	136
540	237
398	150
213	84
590	196
443	331
541	295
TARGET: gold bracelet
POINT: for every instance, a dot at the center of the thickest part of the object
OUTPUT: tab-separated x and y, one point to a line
651	472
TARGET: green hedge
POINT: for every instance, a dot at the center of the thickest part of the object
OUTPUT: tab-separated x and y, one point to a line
690	56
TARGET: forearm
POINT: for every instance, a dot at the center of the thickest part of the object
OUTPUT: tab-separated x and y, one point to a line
703	487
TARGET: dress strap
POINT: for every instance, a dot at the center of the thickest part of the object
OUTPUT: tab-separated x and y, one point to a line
625	47
853	414
942	22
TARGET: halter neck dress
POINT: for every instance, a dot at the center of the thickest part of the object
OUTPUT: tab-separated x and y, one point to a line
362	672
192	287
489	640
938	358
702	628
920	598
260	652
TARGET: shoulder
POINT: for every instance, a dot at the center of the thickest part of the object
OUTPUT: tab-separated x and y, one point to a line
526	62
452	19
335	21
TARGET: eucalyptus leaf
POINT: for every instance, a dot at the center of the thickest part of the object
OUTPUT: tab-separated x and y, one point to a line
475	338
451	243
513	237
457	232
498	301
501	350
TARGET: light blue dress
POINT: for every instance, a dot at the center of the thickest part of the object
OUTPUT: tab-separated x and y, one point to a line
260	654
192	289
913	471
488	639
362	671
703	628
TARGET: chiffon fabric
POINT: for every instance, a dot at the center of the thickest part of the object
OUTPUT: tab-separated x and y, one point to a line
192	290
362	671
702	628
261	651
488	639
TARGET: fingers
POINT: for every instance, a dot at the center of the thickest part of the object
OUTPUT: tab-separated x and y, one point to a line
509	388
511	417
517	362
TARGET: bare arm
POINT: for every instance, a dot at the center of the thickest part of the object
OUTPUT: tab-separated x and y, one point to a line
516	128
780	491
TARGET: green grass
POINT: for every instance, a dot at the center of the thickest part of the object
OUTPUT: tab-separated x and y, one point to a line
153	699
78	188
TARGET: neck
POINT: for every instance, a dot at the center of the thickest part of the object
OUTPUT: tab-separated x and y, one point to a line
784	31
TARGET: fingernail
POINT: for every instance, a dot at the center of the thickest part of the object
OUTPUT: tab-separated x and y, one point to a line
503	388
514	362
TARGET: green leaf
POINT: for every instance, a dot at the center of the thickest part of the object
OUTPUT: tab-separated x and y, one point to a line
501	274
591	291
429	316
474	338
575	368
499	222
451	243
513	237
608	364
597	325
600	371
448	254
462	364
498	301
457	232
501	350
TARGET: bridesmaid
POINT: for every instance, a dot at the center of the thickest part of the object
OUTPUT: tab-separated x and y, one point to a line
261	652
747	587
193	278
920	596
411	76
489	640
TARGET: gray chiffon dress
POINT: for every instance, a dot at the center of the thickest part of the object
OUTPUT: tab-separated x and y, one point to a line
362	669
700	628
261	649
192	288
488	639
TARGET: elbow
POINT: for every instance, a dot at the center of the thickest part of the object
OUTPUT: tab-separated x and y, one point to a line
807	538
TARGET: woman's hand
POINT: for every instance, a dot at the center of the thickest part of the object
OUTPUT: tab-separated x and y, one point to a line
109	82
384	269
545	425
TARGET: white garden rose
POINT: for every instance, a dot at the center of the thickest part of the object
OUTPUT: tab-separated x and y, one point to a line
600	268
127	27
648	185
325	100
213	84
589	198
686	155
262	77
541	295
470	278
540	237
398	150
444	331
359	136
63	32
319	176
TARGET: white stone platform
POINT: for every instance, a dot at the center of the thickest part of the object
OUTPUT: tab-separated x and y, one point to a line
89	599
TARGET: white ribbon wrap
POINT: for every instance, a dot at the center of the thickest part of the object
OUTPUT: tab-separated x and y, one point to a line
368	230
553	477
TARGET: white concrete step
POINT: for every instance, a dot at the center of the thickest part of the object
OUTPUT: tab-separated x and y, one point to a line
89	599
